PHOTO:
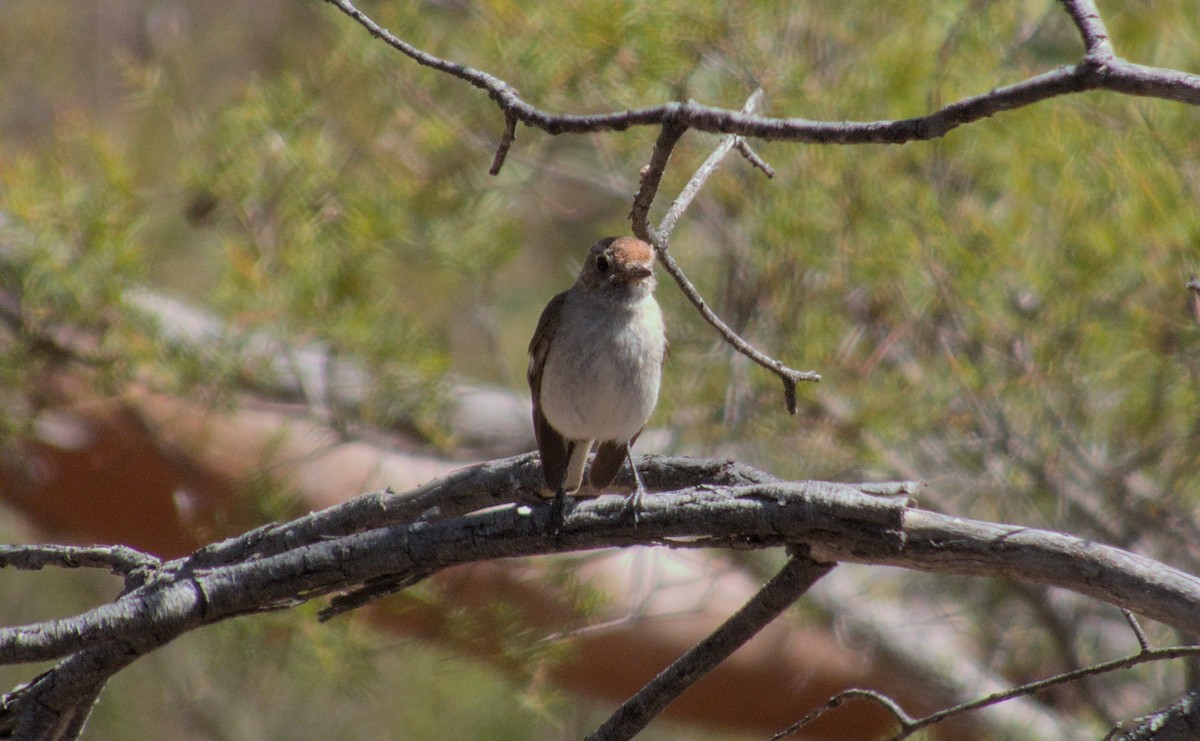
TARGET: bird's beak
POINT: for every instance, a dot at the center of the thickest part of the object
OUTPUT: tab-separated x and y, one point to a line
638	271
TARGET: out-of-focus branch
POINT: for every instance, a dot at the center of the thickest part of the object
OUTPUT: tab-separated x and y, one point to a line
793	580
910	725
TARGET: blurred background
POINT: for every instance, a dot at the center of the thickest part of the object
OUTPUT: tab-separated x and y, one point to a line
1000	313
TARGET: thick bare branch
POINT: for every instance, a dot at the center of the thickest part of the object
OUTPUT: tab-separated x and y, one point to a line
56	705
866	523
723	506
515	479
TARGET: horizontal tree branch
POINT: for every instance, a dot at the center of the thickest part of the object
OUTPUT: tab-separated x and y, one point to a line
514	479
864	523
386	536
1100	69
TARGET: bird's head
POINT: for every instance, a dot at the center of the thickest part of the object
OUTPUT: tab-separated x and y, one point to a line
619	264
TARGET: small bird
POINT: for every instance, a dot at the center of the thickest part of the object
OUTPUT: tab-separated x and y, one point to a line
595	364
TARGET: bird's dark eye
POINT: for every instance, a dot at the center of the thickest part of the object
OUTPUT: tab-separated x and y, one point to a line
602	263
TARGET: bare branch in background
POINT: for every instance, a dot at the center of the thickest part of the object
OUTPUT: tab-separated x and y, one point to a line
792	581
910	725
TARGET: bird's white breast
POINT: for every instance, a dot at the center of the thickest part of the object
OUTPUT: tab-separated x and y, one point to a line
603	369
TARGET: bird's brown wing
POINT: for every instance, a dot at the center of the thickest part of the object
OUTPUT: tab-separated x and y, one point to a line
552	447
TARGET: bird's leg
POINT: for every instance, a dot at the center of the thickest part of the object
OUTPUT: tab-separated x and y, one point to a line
557	508
633	502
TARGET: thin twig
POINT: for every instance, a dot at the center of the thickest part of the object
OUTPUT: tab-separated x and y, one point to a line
789	376
498	89
752	157
1142	657
651	177
903	718
1091	27
909	725
506	140
660	239
1143	641
793	580
692	189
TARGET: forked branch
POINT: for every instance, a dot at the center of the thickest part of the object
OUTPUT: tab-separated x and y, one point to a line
910	725
1099	69
660	238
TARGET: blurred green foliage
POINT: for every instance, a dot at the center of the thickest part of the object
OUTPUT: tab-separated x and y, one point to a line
999	312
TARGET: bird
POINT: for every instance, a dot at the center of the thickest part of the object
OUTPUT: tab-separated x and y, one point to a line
595	367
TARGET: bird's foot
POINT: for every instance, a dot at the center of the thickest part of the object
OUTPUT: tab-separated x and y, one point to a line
633	504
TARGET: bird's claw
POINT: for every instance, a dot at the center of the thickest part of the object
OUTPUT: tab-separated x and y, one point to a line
633	505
